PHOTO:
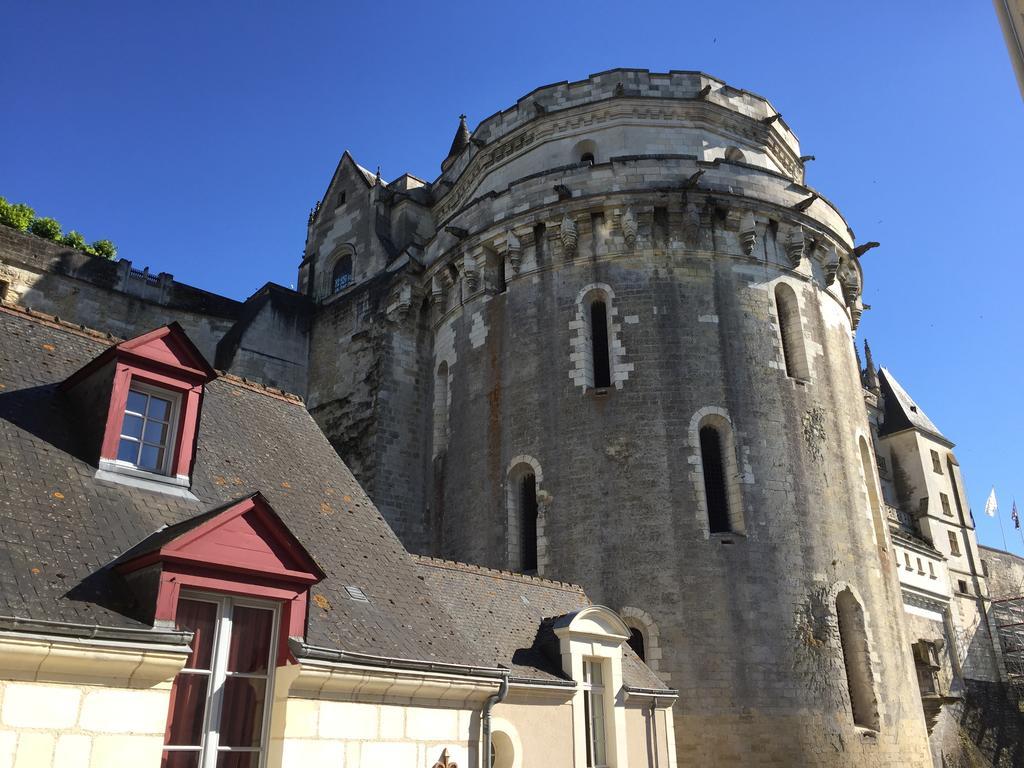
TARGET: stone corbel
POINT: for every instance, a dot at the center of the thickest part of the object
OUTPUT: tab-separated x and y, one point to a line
691	223
830	264
628	222
748	232
513	251
400	305
569	234
437	289
795	244
856	310
471	270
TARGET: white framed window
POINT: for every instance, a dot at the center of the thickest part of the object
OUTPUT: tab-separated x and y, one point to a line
148	429
593	708
220	702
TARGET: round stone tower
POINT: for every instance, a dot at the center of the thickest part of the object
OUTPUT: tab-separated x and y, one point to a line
644	381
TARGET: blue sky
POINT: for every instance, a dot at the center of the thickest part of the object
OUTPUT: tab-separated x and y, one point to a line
197	136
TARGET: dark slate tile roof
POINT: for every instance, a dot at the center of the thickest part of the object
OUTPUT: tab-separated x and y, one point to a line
60	527
508	617
901	412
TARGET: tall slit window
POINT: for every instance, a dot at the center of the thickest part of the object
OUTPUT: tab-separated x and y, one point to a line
791	333
341	275
528	522
441	408
147	431
593	712
714	480
857	660
599	344
220	699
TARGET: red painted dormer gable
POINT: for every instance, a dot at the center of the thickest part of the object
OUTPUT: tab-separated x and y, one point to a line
242	549
245	537
165	364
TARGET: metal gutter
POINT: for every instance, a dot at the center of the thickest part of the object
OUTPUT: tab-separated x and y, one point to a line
302	650
26	626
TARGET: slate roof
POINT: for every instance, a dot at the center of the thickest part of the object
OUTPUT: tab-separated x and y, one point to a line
61	529
508	617
901	412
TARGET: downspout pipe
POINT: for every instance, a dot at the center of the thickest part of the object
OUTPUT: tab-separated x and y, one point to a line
485	718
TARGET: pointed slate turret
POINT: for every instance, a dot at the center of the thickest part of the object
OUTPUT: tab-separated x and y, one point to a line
459	143
870	378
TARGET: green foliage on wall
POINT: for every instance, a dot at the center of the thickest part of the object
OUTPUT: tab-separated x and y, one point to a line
45	227
16	215
22	218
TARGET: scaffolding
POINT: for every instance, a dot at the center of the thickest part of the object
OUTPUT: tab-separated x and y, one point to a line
1008	616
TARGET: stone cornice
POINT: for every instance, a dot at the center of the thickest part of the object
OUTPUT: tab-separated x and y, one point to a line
680	113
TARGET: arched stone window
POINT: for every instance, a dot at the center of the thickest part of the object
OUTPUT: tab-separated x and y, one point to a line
857	660
585	151
524	527
441	408
791	333
644	637
719	489
341	273
596	348
735	155
871	488
637	643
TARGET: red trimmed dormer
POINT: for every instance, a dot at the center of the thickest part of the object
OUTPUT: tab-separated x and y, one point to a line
238	580
140	402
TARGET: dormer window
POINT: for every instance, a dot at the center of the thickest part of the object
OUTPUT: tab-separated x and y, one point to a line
147	432
139	404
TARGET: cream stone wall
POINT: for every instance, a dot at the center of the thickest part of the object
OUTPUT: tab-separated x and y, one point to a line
354	735
68	704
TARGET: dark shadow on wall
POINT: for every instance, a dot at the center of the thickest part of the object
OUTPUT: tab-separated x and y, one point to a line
992	720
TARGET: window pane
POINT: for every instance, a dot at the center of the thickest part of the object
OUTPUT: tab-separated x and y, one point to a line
155	432
241	722
188	705
597	713
200	618
151	457
132	426
250	639
128	450
136	402
180	760
238	759
159	408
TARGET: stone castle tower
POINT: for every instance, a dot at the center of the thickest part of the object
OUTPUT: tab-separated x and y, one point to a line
611	344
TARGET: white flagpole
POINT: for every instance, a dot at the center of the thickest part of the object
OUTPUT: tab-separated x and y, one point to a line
1000	518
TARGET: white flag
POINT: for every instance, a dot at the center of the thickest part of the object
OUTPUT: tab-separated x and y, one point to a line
992	506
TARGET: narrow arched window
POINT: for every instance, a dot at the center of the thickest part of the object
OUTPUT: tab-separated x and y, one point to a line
791	332
441	408
341	275
587	157
636	642
857	660
599	344
714	480
872	491
528	522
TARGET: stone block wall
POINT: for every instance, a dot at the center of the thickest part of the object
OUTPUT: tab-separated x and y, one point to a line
81	726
